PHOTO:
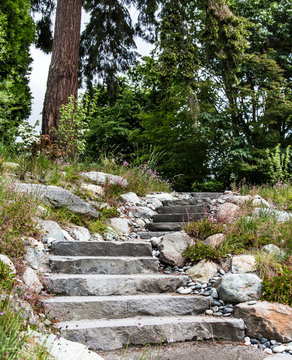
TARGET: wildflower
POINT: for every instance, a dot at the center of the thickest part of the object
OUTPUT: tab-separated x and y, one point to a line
125	163
2	313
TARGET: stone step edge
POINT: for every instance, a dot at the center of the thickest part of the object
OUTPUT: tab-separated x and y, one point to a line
81	257
115	333
112	276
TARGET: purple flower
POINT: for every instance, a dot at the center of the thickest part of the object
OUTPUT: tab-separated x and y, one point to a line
2	313
125	163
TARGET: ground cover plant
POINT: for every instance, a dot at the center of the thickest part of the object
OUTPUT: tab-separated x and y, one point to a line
247	235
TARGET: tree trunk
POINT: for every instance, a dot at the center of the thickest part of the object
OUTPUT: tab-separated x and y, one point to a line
63	72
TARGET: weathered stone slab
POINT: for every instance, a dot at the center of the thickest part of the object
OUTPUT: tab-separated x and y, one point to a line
264	319
81	285
170	226
178	217
96	248
58	197
113	334
187	210
103	265
69	308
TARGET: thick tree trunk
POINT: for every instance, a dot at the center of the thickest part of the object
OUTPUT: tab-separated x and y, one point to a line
63	72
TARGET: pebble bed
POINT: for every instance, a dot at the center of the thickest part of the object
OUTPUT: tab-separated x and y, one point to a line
219	307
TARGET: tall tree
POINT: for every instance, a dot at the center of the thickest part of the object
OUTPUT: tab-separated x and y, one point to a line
63	72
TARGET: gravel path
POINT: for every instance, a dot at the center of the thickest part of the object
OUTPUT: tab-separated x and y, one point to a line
188	351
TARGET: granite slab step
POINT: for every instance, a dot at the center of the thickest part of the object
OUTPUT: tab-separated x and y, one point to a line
178	217
110	334
151	234
188	210
198	201
101	248
84	285
166	226
103	265
68	308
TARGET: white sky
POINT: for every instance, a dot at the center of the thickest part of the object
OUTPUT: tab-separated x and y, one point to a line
40	68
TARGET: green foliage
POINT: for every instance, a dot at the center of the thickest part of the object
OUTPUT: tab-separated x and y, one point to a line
16	220
202	229
6	277
200	251
279	164
72	129
277	287
16	35
15	340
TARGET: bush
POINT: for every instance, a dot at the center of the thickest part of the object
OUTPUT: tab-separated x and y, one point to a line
201	251
203	228
277	287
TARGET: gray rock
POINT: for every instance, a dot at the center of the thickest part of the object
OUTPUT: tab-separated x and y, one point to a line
171	247
51	229
62	349
5	259
155	203
103	178
58	197
131	198
215	240
236	288
142	211
92	188
242	264
161	196
259	201
279	357
272	249
31	279
81	233
120	225
203	271
280	216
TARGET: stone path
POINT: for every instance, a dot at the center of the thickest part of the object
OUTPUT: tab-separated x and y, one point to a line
174	214
111	293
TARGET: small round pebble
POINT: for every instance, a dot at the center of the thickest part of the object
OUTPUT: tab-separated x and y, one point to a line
279	349
209	312
251	302
268	351
222	272
263	340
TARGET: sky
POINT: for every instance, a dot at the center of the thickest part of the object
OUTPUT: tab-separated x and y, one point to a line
40	68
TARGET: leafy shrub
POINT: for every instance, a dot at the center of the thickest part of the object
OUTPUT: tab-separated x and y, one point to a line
277	288
203	228
279	164
200	251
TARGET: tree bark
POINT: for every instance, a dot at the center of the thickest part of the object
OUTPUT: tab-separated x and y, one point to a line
63	72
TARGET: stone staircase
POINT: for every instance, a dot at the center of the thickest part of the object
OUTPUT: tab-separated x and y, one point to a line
109	294
175	214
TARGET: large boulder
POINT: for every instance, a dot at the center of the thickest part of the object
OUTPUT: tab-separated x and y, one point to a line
80	233
239	199
237	288
259	201
102	178
58	197
242	264
264	319
120	225
171	246
203	271
227	212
